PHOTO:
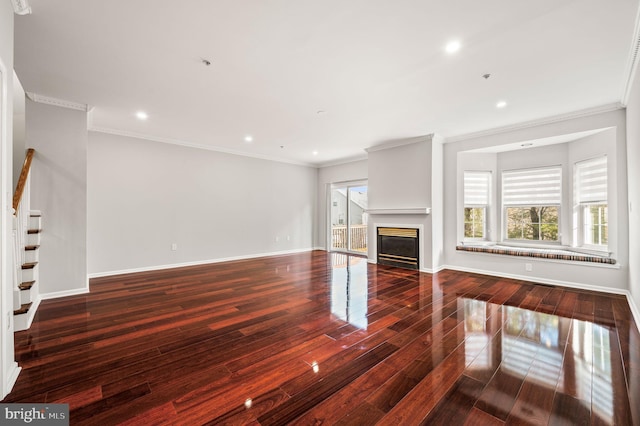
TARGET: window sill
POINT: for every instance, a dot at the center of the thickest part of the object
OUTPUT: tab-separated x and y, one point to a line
554	254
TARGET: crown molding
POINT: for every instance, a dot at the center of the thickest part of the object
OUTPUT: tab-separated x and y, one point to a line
194	145
58	102
21	7
400	142
343	161
632	61
539	122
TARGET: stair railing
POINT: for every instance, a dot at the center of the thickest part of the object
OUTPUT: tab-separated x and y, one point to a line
21	208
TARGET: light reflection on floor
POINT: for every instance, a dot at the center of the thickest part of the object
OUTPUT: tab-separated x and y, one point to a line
349	289
571	356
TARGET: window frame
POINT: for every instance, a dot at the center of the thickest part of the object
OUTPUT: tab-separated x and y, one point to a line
517	241
484	206
527	204
582	206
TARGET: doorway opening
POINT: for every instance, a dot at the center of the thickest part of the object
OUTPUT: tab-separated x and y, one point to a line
348	212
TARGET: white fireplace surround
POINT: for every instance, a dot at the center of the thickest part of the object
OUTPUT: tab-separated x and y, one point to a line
374	241
412	210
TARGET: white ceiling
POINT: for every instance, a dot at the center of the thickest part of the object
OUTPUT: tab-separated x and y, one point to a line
376	68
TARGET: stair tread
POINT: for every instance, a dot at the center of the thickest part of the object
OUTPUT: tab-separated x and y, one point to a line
26	285
29	265
32	247
34	231
23	309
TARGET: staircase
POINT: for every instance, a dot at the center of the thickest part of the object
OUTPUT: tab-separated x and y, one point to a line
27	225
26	298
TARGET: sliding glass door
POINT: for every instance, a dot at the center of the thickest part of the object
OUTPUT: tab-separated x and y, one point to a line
348	215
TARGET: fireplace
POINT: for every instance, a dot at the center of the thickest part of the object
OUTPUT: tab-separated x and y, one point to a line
399	247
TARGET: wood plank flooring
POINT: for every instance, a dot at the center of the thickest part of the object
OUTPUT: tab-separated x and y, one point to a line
319	338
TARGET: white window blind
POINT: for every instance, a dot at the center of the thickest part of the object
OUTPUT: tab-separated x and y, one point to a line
591	181
532	187
477	186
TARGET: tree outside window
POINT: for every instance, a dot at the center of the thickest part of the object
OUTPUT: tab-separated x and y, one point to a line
531	200
535	223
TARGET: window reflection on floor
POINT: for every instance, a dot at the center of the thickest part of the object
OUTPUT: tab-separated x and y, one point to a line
530	335
571	356
475	327
349	291
591	351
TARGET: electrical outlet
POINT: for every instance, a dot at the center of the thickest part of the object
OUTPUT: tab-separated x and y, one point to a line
528	267
277	239
174	247
288	237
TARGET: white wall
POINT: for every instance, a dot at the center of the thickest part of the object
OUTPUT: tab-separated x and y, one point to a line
400	176
8	367
145	196
579	274
59	191
346	172
403	174
633	166
19	128
437	199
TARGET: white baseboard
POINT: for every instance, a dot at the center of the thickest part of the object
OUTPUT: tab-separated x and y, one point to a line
570	284
580	286
634	309
23	321
65	293
434	270
196	263
12	377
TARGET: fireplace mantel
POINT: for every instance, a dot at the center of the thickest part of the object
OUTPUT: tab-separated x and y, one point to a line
413	210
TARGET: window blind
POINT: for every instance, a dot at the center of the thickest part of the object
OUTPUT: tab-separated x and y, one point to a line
477	186
532	187
591	180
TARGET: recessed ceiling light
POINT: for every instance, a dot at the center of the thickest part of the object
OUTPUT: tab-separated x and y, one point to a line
501	104
453	46
141	115
248	138
315	152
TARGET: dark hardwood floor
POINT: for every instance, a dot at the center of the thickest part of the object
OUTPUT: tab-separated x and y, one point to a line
320	338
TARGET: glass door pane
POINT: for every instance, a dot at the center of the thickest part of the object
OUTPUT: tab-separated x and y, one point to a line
358	219
349	218
339	236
